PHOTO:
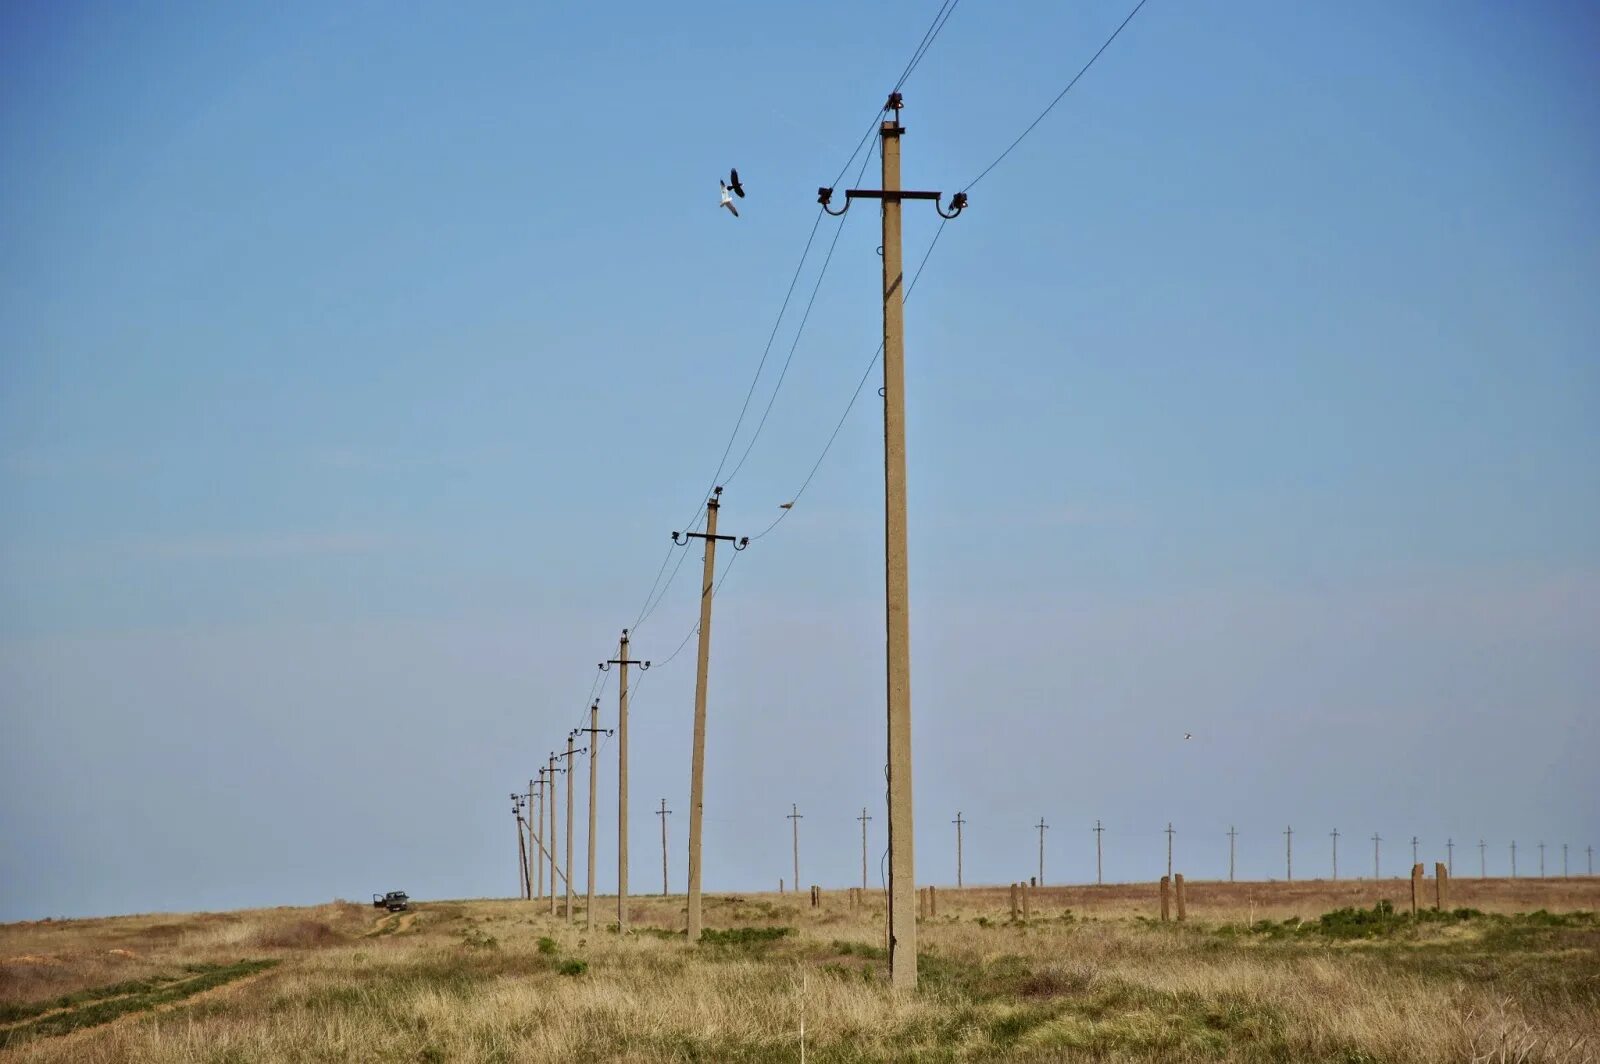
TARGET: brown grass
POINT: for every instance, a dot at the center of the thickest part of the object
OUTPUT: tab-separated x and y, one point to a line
469	981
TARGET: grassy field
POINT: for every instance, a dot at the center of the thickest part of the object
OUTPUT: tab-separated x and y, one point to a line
1308	971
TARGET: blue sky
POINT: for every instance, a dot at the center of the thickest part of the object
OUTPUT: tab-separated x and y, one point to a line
356	363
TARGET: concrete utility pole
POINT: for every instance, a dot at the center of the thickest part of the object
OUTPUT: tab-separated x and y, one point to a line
567	878
663	813
522	852
1541	860
536	840
1413	849
958	822
1590	851
902	924
864	818
794	819
527	872
622	661
1043	827
1563	860
595	731
1232	839
1450	856
1483	862
1288	854
1336	854
697	768
1376	840
553	869
1513	858
1169	848
1099	872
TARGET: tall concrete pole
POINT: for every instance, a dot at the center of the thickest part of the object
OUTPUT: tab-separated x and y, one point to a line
622	661
897	583
1169	848
794	819
958	822
568	877
595	731
1336	854
1513	858
1483	861
536	833
527	875
864	818
697	767
1288	854
663	813
1043	827
1232	838
1541	860
1563	860
522	855
902	923
1413	849
1375	866
1450	856
553	771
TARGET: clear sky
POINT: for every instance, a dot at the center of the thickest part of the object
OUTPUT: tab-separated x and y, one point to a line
356	362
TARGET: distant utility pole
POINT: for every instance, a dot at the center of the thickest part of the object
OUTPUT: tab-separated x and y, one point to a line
1450	856
1169	848
1376	841
1099	874
622	661
527	805
1563	860
697	768
1232	838
958	822
553	833
567	878
794	819
1043	827
864	818
595	731
663	813
1541	859
1483	862
1288	854
1413	849
902	923
536	840
1513	858
1335	854
522	853
1590	851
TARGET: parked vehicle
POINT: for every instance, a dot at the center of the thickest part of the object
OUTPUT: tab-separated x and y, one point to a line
395	901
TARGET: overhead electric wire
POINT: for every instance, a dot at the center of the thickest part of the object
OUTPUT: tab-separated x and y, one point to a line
1023	135
798	332
826	447
658	590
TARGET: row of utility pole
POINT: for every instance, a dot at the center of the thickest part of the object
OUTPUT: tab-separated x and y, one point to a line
794	816
902	886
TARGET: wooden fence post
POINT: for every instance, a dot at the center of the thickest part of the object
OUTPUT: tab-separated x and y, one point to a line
1014	909
1177	887
1166	891
1027	901
1416	887
1441	880
933	901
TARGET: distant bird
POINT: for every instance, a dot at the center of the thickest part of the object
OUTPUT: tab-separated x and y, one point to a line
731	185
785	505
1188	735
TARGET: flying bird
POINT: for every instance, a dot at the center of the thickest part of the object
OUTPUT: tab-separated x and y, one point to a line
1188	735
785	505
731	185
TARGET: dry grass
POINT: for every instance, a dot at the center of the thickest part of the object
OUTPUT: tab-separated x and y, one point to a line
500	981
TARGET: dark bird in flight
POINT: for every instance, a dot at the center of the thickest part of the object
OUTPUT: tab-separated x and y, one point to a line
731	185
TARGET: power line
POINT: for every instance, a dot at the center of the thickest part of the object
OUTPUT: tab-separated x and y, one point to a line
1058	98
942	16
839	425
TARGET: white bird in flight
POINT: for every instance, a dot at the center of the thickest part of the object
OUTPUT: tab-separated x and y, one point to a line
732	186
